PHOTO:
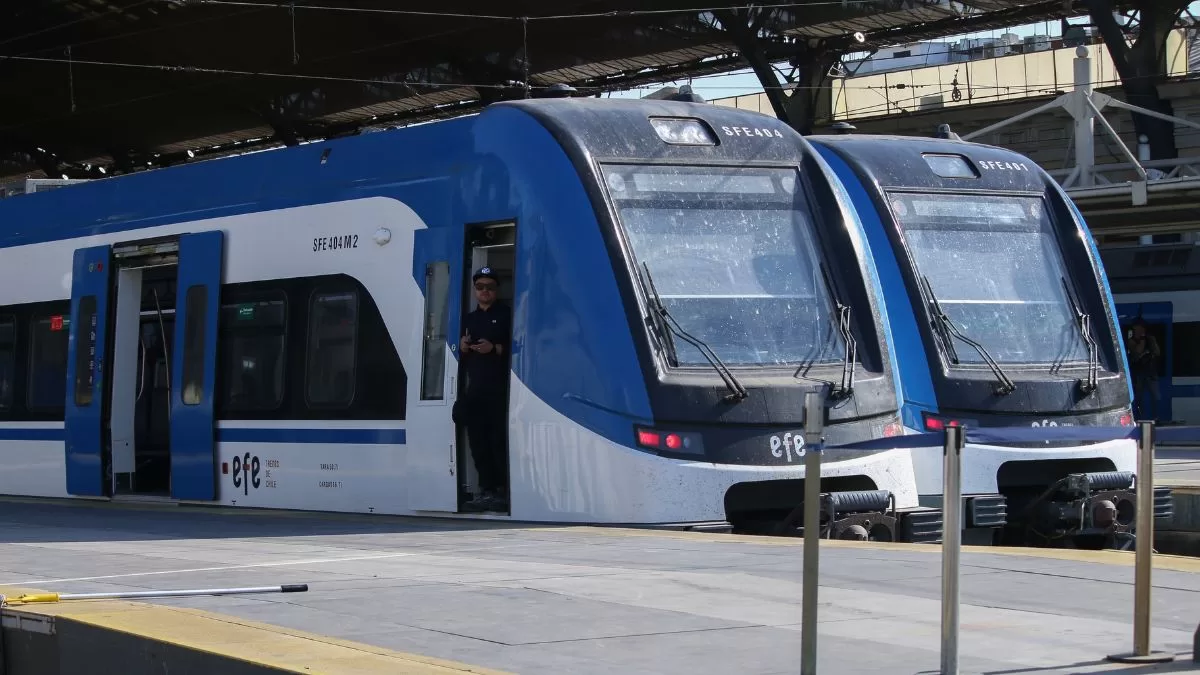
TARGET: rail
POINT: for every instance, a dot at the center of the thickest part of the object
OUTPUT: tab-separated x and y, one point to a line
953	440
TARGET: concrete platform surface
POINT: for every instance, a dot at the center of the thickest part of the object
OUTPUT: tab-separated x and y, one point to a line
1177	466
591	600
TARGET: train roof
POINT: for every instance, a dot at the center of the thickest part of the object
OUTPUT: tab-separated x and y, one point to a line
935	163
613	128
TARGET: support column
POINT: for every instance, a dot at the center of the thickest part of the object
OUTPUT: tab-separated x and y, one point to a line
1085	150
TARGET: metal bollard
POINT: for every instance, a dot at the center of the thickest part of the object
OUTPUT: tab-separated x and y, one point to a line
951	546
1143	560
814	425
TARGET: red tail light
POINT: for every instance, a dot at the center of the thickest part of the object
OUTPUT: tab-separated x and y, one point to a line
940	423
674	441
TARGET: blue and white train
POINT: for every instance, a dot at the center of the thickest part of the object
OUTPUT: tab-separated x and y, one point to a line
280	329
1159	286
1001	317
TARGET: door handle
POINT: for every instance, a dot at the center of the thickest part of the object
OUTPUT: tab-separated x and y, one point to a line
453	391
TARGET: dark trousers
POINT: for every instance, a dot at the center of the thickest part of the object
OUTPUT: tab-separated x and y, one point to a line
487	431
1145	397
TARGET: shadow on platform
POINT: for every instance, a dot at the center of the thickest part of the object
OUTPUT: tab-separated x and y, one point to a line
31	520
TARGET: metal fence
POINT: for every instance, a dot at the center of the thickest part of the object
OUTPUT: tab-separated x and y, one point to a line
953	439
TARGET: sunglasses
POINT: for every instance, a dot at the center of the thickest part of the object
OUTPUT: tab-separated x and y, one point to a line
485	287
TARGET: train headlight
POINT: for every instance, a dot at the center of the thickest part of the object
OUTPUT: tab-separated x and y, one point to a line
682	131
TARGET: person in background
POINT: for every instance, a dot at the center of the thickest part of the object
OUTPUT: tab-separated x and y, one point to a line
484	346
1144	354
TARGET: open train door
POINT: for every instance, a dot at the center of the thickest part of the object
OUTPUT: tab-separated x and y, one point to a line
432	460
84	417
198	304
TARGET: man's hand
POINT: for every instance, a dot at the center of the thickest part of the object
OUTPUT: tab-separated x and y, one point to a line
483	347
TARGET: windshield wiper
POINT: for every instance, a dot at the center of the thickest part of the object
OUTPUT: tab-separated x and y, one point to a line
1085	328
850	356
947	328
663	319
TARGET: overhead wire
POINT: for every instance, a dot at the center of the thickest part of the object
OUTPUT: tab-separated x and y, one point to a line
549	17
203	70
450	85
82	19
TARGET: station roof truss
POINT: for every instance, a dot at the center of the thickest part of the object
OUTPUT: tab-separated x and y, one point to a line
99	87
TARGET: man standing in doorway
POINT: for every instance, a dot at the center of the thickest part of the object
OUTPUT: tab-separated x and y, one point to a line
486	336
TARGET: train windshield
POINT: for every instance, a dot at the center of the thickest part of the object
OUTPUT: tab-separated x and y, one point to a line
995	269
732	257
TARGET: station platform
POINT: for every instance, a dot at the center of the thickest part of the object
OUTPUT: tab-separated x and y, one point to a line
401	595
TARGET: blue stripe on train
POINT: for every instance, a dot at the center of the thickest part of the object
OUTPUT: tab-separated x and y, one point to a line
357	436
346	436
32	434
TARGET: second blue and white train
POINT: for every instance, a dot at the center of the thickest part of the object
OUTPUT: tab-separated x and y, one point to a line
280	329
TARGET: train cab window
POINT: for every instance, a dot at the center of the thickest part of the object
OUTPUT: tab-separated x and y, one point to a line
437	316
47	386
732	255
996	271
85	352
196	307
253	346
8	360
332	343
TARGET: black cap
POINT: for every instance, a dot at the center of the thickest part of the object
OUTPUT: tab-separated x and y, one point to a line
485	272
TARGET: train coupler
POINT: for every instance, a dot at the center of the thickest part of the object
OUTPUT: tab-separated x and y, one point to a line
868	515
1092	510
860	515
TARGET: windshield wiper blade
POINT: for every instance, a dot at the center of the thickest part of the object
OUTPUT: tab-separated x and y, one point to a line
947	327
659	324
664	318
1085	328
850	356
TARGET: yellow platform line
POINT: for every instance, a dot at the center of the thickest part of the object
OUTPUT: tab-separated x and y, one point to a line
283	649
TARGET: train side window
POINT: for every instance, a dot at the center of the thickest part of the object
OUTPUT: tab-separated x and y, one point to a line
253	353
332	342
8	360
437	317
1186	359
48	339
196	306
85	352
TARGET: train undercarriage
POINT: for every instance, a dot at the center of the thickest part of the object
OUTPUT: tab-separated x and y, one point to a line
1085	510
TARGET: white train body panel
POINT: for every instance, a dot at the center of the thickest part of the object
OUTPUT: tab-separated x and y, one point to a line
981	463
560	471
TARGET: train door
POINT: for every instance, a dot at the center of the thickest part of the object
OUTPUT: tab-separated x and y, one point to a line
1157	318
432	464
493	246
140	368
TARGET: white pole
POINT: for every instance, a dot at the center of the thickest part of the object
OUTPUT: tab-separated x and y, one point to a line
1085	152
122	595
